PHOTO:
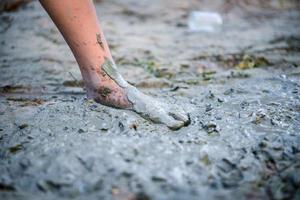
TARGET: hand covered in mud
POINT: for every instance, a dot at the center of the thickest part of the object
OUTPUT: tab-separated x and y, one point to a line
149	108
120	94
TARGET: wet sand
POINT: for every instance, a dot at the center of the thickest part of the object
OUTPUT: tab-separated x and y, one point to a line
240	85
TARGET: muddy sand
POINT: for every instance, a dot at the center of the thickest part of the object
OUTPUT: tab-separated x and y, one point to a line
241	86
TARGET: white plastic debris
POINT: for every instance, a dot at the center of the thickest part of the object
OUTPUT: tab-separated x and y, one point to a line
204	21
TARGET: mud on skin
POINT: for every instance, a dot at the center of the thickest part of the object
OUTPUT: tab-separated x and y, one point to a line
149	108
99	40
110	97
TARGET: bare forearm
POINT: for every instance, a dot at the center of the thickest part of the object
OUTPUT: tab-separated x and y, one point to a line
78	23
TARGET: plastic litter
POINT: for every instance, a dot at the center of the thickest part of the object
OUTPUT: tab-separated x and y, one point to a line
204	21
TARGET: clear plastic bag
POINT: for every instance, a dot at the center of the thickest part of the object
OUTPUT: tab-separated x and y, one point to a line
204	21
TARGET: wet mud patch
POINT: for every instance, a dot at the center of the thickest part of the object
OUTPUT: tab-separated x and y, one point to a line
26	101
239	61
14	89
73	83
12	5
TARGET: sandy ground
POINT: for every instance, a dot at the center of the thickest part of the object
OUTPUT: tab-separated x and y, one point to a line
241	86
